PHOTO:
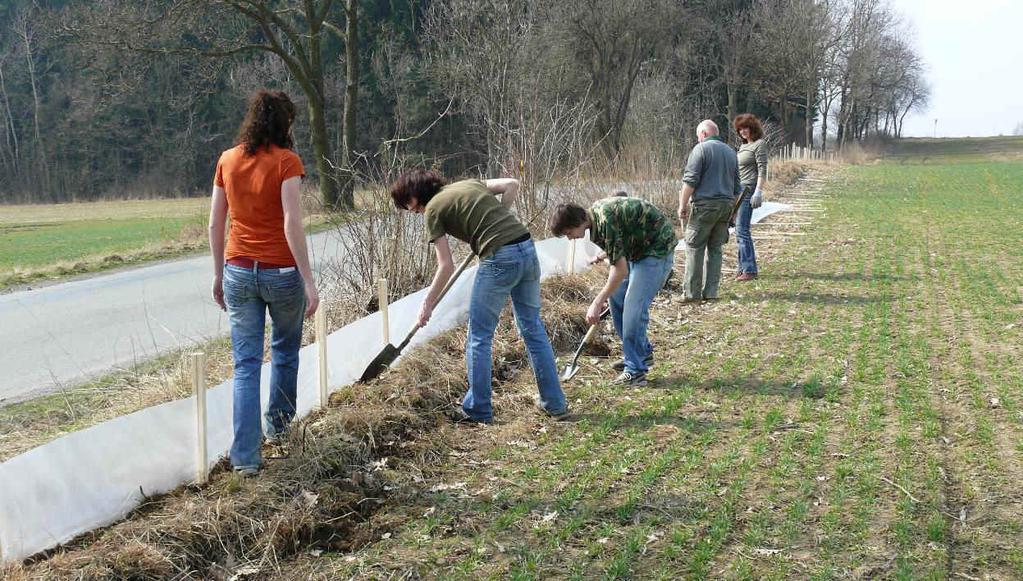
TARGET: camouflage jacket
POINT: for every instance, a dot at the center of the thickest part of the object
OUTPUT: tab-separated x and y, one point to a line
631	228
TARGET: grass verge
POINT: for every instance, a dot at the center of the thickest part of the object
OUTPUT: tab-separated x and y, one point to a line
853	413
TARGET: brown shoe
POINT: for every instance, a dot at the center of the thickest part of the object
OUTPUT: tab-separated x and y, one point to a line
746	276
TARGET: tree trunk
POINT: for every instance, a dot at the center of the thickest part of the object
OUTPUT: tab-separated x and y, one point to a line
732	104
320	144
318	120
808	118
346	175
40	150
11	134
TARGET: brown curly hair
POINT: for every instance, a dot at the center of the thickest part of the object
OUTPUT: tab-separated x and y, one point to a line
749	121
420	184
267	122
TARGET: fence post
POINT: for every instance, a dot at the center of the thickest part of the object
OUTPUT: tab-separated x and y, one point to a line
321	345
571	256
383	303
199	385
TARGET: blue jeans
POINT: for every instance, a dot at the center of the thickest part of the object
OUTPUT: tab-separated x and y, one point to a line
630	308
248	294
512	271
743	236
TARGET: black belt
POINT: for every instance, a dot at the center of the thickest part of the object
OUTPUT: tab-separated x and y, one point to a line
518	240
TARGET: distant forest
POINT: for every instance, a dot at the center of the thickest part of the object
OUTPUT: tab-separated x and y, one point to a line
136	98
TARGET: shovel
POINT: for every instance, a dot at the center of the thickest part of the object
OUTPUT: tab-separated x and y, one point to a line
390	352
572	368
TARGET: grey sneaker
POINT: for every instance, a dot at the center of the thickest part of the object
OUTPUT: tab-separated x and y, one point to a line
247	471
631	379
620	364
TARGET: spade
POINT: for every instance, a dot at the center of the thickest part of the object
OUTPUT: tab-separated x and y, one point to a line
572	368
390	352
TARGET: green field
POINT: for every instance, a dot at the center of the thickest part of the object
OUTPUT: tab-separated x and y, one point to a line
48	241
34	245
857	412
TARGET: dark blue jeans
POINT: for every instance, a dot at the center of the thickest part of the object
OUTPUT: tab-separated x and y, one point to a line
249	293
743	235
514	271
630	307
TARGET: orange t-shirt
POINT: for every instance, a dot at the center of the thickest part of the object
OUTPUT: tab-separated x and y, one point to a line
253	186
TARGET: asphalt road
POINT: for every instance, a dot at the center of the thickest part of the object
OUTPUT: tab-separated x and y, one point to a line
57	336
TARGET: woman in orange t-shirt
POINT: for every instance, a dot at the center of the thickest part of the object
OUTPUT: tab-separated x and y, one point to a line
264	266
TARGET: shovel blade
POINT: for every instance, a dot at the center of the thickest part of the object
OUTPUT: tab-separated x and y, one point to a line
569	372
380	363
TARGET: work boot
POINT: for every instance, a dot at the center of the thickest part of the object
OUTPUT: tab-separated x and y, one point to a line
746	277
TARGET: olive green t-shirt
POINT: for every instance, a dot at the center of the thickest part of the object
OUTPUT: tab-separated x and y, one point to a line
752	162
468	211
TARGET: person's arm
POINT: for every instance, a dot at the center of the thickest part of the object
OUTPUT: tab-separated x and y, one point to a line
761	159
294	231
760	155
218	225
615	276
507	188
684	196
690	181
445	266
599	257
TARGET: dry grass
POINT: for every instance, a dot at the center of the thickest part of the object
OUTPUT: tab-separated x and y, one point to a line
786	173
332	473
320	494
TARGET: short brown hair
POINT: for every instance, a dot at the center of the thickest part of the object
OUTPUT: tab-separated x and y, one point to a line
749	121
420	184
566	217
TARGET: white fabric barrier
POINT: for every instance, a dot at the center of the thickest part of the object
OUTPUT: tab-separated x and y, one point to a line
96	476
766	209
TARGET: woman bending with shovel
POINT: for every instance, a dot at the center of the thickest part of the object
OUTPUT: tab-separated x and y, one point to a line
470	211
639	242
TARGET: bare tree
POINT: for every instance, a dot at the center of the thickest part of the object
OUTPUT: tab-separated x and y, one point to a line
27	33
292	30
613	40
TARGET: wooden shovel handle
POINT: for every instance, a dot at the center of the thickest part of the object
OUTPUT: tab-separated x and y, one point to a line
444	291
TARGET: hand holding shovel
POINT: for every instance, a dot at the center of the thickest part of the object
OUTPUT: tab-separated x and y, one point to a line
572	368
390	352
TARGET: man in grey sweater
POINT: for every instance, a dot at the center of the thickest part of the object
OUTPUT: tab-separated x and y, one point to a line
710	186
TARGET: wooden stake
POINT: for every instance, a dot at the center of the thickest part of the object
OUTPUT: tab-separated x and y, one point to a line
382	302
321	345
571	256
199	386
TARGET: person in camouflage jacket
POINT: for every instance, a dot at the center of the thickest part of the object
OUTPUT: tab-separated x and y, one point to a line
639	242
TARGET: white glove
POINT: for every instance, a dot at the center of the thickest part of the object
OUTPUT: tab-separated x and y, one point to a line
757	199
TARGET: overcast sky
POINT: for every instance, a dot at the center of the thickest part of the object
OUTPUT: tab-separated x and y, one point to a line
974	56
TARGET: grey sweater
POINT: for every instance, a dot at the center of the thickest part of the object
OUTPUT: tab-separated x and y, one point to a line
713	169
752	162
